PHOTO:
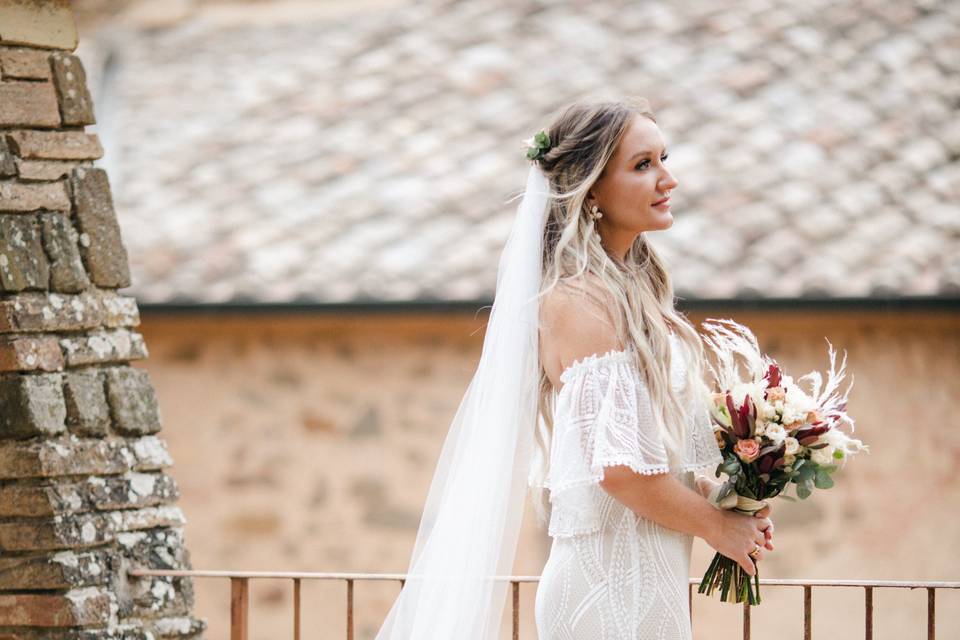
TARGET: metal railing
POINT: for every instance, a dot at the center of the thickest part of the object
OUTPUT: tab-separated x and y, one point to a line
240	595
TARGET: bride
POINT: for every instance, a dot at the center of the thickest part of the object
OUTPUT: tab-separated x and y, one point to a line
589	392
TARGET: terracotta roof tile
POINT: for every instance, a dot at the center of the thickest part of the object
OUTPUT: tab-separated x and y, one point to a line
370	157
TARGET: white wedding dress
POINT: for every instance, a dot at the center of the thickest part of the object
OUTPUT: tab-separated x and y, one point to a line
611	574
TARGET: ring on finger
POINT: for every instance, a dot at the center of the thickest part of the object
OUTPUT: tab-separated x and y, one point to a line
756	550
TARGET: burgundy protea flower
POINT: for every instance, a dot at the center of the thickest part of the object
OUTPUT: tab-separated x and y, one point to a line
742	420
811	434
773	375
771	457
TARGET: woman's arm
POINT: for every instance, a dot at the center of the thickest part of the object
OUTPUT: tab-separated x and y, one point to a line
667	501
664	499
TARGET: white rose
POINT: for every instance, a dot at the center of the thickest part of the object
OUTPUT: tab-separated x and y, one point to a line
776	433
822	456
793	446
789	417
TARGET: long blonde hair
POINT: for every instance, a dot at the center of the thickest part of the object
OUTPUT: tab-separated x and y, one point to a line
636	291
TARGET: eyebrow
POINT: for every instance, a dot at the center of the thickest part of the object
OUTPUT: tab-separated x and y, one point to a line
644	153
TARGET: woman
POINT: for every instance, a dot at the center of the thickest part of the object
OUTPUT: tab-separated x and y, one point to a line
625	426
577	281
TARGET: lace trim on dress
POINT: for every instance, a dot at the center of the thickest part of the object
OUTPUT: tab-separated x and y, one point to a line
587	362
613	355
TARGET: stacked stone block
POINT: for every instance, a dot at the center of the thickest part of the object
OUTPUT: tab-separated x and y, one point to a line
84	495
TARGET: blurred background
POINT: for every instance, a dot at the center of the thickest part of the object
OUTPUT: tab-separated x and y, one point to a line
313	196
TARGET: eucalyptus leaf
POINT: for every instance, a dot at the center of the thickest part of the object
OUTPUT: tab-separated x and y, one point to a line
804	474
823	480
731	468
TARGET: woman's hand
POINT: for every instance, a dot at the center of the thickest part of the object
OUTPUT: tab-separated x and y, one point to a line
706	484
736	535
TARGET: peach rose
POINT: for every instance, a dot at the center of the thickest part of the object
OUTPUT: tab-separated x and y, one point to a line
748	450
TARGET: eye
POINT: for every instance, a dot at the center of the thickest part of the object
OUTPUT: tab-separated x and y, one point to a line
645	162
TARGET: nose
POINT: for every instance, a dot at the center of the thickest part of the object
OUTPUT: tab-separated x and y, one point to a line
669	184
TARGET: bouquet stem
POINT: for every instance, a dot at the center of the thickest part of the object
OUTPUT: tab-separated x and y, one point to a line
734	583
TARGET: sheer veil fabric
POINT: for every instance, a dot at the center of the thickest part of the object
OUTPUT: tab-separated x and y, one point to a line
456	583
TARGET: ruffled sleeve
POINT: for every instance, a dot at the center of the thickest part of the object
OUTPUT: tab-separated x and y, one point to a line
603	417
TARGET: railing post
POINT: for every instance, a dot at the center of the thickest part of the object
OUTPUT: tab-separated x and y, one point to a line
746	621
516	609
807	614
931	613
296	609
239	605
868	612
349	609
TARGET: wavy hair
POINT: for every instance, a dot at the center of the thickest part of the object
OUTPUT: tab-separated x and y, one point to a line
635	291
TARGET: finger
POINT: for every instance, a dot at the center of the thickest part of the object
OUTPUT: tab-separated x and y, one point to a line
703	486
762	513
769	546
747	563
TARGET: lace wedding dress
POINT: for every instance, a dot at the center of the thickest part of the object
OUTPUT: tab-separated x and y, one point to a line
611	574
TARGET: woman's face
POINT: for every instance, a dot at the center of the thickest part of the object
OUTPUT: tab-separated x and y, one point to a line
635	178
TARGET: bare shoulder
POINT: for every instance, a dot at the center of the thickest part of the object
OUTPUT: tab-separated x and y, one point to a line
576	322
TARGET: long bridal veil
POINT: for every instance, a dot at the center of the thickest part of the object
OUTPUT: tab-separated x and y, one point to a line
465	546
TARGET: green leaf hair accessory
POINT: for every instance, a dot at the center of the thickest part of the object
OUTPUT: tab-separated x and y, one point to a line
537	145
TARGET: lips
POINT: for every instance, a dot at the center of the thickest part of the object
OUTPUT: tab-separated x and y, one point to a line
661	201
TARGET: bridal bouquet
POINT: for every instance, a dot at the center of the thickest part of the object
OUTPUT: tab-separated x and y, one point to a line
772	433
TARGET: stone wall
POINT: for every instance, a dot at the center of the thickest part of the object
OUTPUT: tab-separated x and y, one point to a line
83	492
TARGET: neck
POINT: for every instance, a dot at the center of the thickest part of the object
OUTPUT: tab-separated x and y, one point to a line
617	244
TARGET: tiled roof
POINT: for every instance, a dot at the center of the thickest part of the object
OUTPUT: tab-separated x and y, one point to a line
369	156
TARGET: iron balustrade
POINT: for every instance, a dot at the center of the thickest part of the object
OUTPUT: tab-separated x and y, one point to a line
240	595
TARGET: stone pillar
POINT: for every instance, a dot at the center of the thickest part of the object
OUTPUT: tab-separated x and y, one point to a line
83	492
